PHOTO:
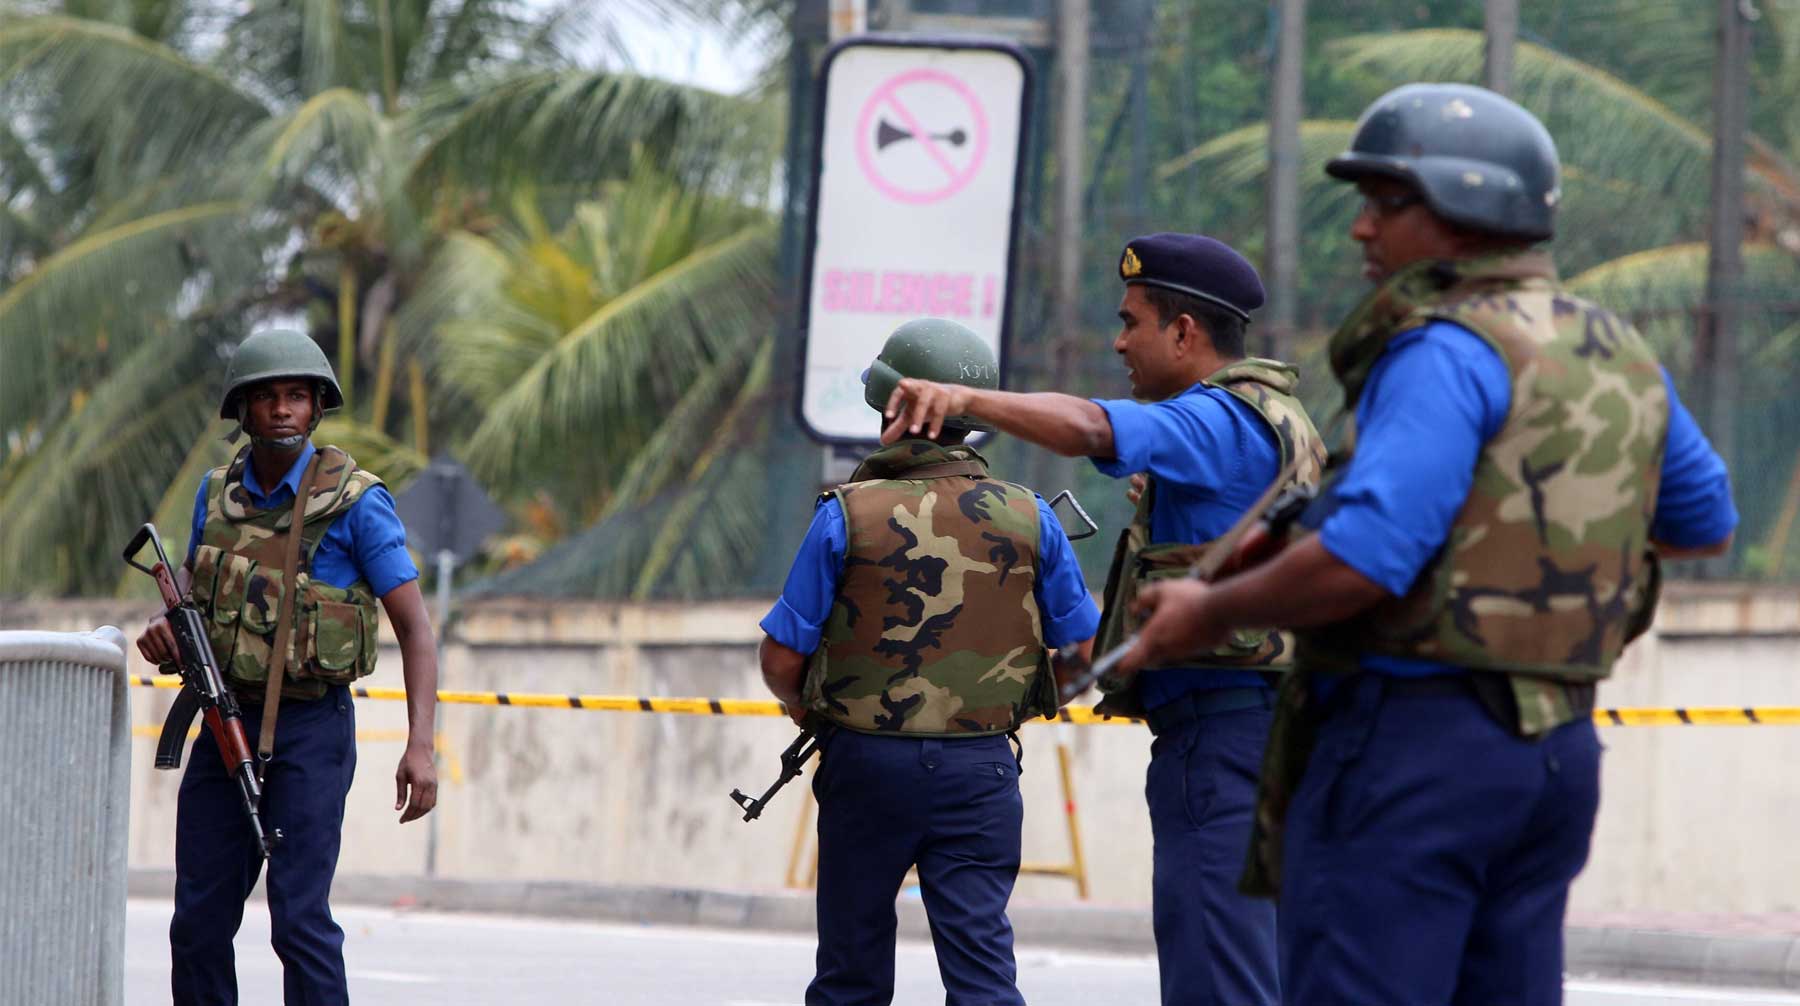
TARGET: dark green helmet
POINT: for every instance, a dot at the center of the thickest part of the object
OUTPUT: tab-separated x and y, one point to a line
279	353
933	349
1479	159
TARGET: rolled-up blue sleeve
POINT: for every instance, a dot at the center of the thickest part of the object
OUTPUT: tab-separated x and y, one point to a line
1431	401
1693	505
797	620
197	523
378	542
1193	439
1068	611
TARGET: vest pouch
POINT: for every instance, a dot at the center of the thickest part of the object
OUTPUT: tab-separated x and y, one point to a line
261	605
224	580
221	624
337	641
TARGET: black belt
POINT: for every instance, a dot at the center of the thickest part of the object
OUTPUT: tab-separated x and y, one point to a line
1206	702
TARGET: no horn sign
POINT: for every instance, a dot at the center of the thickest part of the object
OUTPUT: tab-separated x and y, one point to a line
918	156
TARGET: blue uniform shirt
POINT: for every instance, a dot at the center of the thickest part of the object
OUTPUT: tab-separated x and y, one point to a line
1432	400
366	542
1067	612
1211	456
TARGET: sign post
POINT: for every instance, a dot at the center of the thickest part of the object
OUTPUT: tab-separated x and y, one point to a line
919	155
447	516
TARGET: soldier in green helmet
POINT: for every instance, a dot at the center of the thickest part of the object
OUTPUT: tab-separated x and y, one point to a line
915	629
1209	429
1486	545
292	547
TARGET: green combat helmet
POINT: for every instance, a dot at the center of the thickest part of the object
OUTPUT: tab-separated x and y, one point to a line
932	349
275	354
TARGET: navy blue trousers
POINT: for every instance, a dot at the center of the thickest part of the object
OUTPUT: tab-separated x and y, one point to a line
1214	946
1429	852
950	807
216	863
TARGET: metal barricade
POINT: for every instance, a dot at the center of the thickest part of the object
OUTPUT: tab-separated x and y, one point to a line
65	786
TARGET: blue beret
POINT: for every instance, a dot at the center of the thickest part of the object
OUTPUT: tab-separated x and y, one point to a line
1195	265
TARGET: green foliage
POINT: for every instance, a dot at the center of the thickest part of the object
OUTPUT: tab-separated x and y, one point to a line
629	331
175	175
1625	86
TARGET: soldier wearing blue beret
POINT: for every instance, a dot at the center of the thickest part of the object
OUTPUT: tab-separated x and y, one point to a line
1209	429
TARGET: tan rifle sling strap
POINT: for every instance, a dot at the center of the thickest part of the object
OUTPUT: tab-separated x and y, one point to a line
284	629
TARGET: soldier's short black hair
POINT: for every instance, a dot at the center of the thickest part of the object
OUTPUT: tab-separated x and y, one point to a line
1227	330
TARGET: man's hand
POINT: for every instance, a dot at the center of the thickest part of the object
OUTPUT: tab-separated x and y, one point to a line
1134	490
919	408
795	710
1177	621
157	644
415	783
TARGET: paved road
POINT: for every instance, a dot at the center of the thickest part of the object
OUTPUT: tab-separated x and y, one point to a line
425	959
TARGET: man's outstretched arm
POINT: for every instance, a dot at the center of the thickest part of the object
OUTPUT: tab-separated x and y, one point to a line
1070	426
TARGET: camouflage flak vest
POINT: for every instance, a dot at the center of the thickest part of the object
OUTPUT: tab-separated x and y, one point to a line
935	630
1548	570
237	583
1267	386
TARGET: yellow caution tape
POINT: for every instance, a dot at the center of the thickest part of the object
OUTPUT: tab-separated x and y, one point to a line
1626	716
442	743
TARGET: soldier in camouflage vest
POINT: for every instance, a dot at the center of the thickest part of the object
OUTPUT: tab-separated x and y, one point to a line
1210	430
1488	540
292	621
915	631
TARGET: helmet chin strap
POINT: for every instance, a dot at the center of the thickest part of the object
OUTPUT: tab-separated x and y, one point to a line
279	443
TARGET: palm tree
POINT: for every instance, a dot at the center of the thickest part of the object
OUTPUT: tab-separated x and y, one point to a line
620	368
185	175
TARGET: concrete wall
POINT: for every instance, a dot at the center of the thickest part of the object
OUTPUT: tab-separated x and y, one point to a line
1694	819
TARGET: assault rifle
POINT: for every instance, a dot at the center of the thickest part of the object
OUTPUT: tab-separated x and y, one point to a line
202	690
791	762
1275	509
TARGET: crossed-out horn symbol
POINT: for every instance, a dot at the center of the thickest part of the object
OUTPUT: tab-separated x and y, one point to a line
888	134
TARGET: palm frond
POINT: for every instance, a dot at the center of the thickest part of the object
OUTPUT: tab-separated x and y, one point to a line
694	422
634	353
96	288
109	84
1674	278
1241	156
397	463
463	281
333	143
173	515
322	37
1601	123
715	527
104	468
1663	292
564	127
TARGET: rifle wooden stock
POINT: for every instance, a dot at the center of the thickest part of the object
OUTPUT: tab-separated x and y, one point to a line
203	690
